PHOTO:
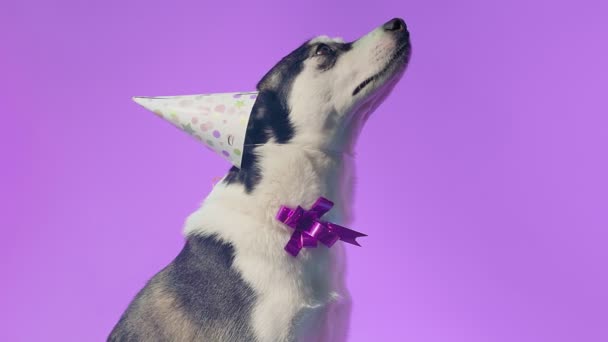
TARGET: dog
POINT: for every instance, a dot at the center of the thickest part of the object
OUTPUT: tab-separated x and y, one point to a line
233	281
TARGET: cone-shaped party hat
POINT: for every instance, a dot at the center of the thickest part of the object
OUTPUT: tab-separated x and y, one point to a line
217	120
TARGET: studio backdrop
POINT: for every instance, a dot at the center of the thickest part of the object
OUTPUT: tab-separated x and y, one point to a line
481	179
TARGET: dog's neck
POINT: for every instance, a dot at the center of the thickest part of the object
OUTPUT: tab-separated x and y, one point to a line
294	174
291	175
299	174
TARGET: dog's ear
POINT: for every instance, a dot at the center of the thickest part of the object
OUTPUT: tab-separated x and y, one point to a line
282	74
270	81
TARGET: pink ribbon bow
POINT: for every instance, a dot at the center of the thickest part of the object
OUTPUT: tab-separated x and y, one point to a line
308	228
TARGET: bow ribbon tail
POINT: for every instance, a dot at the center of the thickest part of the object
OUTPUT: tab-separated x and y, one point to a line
345	234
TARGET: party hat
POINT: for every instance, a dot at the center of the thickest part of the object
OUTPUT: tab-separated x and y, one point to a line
217	120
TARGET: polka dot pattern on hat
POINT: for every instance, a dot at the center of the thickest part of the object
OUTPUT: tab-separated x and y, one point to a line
217	120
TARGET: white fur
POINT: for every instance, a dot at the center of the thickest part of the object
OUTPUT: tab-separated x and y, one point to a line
302	298
286	286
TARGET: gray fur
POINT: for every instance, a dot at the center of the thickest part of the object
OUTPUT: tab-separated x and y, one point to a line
197	297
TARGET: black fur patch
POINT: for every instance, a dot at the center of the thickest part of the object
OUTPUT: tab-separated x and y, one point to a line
206	290
269	117
209	289
328	61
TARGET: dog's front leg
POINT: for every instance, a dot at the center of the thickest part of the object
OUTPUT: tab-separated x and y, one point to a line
328	322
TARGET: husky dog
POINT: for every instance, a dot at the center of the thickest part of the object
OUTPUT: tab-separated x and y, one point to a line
233	281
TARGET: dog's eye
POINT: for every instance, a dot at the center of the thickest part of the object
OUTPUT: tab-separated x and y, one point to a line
323	50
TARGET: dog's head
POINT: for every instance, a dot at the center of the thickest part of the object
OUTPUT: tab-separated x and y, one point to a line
321	94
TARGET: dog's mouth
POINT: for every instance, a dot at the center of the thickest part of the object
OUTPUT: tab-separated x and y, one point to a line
399	53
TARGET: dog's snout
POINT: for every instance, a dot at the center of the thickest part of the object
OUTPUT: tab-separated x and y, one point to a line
396	24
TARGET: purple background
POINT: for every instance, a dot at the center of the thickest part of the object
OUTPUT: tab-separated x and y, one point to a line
482	178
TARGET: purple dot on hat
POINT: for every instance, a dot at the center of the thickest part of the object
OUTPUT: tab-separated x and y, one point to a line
216	133
236	96
226	153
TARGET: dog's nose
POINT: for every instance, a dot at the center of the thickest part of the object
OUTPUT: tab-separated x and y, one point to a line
396	24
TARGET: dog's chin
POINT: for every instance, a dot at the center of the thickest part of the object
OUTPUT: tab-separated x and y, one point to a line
391	71
377	90
383	83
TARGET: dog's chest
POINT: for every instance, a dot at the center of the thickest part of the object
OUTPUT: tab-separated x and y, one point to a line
294	298
293	295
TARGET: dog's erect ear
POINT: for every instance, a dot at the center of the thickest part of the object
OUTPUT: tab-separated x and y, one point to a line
283	73
270	81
